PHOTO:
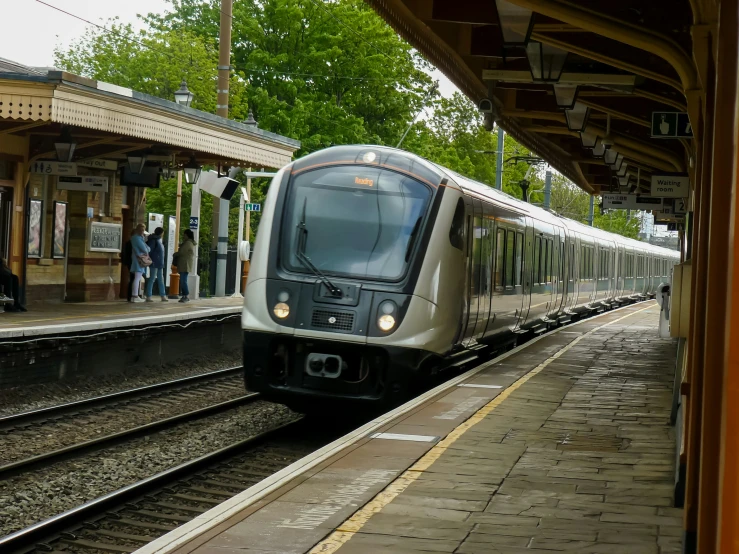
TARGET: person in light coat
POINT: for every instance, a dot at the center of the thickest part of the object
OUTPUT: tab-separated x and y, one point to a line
139	248
186	263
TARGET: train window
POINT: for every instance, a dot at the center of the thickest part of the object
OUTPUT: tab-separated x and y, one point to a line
499	259
509	252
518	271
456	232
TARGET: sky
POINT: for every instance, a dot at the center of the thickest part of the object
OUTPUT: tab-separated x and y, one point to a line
50	28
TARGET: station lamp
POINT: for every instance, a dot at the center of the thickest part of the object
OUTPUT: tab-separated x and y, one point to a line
192	171
565	95
136	163
183	96
577	117
545	62
599	150
621	172
65	146
589	140
516	23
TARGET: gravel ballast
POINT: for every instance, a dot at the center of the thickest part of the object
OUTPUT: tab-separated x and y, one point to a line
40	494
70	429
20	399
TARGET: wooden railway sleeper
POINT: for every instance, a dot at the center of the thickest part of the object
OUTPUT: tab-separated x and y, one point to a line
157	515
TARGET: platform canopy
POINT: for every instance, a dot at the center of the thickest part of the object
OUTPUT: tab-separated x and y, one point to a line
555	68
108	121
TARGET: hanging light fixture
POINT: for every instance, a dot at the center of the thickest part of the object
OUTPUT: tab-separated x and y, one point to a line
565	95
599	150
545	62
589	140
622	170
65	146
183	96
618	160
192	171
167	171
516	23
577	117
136	163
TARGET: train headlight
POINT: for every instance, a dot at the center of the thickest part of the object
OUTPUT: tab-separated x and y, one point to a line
386	312
386	322
281	310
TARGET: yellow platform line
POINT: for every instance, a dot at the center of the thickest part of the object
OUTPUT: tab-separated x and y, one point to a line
354	524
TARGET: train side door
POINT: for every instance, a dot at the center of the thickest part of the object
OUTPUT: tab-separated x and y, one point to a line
525	268
468	317
487	245
559	251
553	271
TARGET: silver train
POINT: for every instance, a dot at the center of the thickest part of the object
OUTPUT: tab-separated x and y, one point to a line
373	268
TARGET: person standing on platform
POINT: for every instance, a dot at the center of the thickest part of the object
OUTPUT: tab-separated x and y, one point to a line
127	260
11	288
186	263
156	269
139	260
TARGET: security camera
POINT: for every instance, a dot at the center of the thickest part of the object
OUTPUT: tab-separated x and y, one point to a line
222	187
485	105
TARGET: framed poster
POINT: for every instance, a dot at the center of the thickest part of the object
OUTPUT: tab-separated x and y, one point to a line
105	237
35	216
60	230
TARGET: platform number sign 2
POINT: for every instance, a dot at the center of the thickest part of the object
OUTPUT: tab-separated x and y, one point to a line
671	125
194	223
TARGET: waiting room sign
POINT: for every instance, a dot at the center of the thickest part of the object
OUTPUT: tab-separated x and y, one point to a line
670	186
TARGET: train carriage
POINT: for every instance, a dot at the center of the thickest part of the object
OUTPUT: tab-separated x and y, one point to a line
374	267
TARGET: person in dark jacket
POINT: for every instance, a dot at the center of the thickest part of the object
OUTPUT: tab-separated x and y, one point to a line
11	288
156	269
127	260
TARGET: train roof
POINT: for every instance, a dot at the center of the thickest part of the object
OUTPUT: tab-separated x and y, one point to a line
416	163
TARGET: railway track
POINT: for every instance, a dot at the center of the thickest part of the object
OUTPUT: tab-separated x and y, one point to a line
48	435
129	518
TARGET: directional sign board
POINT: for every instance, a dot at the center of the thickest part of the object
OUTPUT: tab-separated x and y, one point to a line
54	168
108	165
671	125
670	186
253	207
630	202
85	183
194	223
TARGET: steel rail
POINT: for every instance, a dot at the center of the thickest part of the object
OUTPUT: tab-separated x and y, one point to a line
115	438
31	415
45	530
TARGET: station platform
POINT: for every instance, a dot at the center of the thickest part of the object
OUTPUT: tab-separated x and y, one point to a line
62	342
58	319
561	444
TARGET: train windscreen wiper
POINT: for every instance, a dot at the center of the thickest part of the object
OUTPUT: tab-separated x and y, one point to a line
305	260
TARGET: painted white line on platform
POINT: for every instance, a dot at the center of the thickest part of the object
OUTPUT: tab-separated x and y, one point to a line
401	437
478	386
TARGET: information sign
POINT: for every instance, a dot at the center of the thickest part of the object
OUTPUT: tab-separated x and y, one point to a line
54	168
107	165
253	207
670	186
671	125
105	237
155	220
630	202
194	223
86	183
171	243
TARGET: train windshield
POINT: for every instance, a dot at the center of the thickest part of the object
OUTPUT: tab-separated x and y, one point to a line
353	221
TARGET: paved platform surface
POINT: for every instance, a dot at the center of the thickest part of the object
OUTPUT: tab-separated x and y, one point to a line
53	319
571	452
